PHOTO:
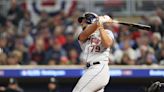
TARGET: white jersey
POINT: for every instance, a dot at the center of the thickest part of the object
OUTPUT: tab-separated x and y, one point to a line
93	50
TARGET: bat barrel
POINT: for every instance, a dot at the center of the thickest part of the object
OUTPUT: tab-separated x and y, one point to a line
135	25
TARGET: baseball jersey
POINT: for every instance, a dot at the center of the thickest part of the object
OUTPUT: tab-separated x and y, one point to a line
92	48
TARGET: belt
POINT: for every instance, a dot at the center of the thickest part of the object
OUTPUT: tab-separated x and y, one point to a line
94	63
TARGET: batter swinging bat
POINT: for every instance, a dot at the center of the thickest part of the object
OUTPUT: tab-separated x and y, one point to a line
136	25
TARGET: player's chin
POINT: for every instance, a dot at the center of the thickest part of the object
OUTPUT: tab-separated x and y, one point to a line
84	27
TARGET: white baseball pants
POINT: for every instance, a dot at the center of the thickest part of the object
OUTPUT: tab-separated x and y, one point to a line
95	78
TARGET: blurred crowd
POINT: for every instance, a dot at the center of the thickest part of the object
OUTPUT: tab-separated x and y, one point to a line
140	47
50	41
53	40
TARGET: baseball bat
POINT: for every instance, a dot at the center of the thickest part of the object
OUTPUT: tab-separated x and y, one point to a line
136	25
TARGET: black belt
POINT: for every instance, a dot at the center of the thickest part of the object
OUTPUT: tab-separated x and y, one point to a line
94	63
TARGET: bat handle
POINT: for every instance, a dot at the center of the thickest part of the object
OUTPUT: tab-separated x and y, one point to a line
114	21
106	19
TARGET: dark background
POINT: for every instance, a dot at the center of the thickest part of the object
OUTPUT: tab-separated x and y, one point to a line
67	84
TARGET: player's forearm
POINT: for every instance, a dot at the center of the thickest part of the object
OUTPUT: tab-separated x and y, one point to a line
105	39
88	31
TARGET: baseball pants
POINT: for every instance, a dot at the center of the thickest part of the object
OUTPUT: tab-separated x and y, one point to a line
95	78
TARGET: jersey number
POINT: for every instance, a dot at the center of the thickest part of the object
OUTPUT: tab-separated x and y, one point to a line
95	48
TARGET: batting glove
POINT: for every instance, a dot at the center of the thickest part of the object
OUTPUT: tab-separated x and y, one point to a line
104	19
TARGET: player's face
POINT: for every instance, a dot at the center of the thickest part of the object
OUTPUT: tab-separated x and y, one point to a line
83	21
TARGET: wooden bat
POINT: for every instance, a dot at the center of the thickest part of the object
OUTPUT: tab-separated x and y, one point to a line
136	25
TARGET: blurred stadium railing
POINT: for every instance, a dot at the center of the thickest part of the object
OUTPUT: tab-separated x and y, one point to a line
75	71
123	78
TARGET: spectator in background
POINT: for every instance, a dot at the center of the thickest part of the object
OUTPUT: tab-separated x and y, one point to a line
3	42
143	39
58	34
52	85
19	45
9	33
116	54
126	60
141	54
71	43
126	48
150	58
38	52
57	52
3	58
146	55
160	53
52	62
12	86
14	58
9	28
129	50
25	22
58	20
125	34
27	38
18	54
155	40
73	56
160	57
44	20
46	35
160	13
156	25
15	13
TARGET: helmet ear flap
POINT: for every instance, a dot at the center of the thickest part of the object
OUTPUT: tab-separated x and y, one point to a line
80	19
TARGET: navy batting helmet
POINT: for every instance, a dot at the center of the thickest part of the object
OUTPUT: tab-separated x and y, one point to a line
89	16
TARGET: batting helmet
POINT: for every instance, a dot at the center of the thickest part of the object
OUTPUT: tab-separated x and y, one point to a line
89	16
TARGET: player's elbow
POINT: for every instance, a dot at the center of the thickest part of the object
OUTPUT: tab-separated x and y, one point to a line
82	38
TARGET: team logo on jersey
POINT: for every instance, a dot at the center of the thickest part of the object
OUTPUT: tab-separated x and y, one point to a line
95	39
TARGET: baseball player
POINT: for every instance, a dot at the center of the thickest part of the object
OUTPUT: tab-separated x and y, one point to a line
95	42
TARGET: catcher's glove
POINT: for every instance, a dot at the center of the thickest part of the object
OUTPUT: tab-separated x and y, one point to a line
155	87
